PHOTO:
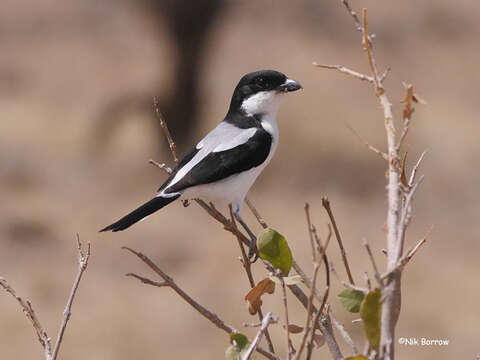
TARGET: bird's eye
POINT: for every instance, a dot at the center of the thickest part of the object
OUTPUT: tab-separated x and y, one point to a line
261	82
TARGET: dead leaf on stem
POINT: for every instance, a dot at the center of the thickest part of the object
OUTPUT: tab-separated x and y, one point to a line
253	297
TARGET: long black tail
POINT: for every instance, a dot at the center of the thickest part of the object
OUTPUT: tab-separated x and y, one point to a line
143	211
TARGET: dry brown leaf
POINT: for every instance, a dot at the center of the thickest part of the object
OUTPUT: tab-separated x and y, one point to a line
253	297
294	329
408	110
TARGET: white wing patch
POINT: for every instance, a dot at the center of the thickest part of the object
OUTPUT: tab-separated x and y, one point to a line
240	139
224	137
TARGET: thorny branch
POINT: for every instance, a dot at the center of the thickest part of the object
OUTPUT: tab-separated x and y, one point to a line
399	191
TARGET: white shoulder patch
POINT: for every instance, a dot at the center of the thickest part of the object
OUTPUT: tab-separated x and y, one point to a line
239	139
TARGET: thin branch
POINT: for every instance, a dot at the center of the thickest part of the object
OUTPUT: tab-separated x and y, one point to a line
257	215
316	266
367	45
367	281
346	71
405	217
346	336
385	74
326	205
163	124
27	309
415	169
162	166
310	234
372	259
148	281
212	317
354	15
380	153
82	266
267	320
247	265
324	324
406	258
287	323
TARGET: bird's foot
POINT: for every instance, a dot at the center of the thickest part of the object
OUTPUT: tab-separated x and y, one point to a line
253	253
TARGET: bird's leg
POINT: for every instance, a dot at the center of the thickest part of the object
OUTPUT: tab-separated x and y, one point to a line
252	249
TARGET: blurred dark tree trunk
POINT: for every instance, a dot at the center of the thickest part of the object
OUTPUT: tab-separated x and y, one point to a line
189	24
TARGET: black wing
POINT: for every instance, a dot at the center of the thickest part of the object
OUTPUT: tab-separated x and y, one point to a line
219	165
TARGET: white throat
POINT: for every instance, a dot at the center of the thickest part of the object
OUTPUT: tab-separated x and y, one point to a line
263	102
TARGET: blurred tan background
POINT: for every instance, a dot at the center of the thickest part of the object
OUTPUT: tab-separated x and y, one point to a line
76	131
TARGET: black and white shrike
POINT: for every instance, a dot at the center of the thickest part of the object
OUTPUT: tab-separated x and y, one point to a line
223	166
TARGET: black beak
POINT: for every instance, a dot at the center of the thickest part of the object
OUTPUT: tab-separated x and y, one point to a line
289	85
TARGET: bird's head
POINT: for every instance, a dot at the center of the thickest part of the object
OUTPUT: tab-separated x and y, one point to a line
261	92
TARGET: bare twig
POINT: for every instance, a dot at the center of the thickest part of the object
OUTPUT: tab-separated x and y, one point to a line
407	257
290	350
162	166
267	320
354	16
405	217
346	336
163	124
257	215
372	259
415	169
367	45
27	308
385	74
367	281
316	265
367	144
326	205
82	266
310	234
346	71
212	317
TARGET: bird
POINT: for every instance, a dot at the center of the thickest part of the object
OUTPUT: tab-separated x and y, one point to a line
223	166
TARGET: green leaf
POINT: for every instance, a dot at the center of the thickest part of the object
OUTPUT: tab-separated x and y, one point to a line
273	247
370	312
358	357
238	348
351	299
